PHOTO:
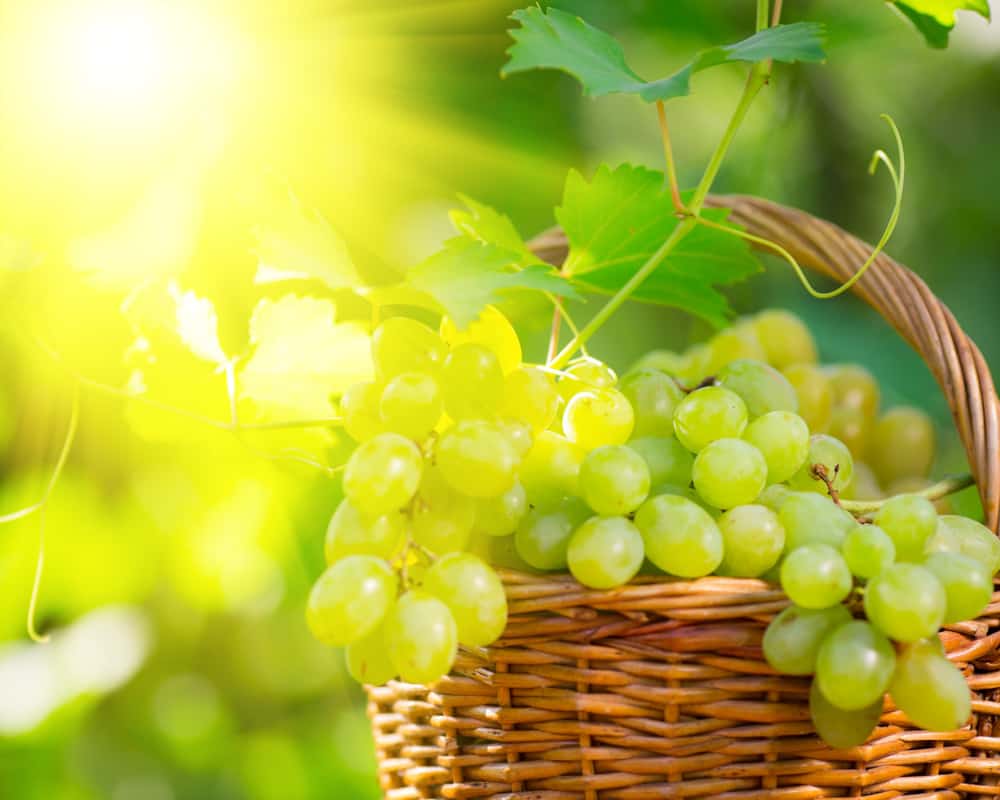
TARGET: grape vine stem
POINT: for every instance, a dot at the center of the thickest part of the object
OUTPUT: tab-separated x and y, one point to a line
939	490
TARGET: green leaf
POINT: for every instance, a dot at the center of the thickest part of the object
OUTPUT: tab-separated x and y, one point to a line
302	357
487	225
198	325
468	275
616	221
558	40
935	18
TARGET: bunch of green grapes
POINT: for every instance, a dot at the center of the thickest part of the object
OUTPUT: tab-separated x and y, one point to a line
729	459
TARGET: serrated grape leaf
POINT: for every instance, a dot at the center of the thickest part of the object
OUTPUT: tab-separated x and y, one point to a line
467	275
557	40
197	325
302	357
618	219
485	224
936	18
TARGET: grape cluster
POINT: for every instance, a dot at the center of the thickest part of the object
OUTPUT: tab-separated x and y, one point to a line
731	459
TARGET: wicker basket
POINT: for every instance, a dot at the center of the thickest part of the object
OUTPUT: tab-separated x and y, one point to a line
659	689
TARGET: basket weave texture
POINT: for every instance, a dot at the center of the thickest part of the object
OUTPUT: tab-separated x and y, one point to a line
659	689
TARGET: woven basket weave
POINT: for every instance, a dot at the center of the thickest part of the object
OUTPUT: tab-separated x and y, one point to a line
659	689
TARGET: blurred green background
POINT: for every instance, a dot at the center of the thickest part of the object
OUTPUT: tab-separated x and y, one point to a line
178	558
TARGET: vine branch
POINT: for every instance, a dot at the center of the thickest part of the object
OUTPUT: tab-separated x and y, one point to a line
939	490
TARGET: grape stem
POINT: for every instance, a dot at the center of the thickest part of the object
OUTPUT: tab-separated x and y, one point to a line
941	489
820	472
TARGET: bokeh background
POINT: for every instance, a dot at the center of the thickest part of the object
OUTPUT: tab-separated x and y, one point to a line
145	141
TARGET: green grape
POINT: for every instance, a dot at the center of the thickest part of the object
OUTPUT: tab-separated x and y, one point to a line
853	428
906	602
493	331
585	376
956	534
694	365
550	470
500	516
359	407
968	588
902	445
833	455
761	387
810	518
474	595
854	666
667	459
688	493
785	338
680	537
543	537
441	517
865	485
868	550
854	387
793	638
421	637
477	459
411	405
401	344
605	552
815	395
664	360
733	344
382	475
472	382
530	395
910	521
614	480
350	599
653	396
709	414
518	434
929	689
815	576
774	496
368	659
350	533
840	729
599	417
498	551
783	439
729	473
753	540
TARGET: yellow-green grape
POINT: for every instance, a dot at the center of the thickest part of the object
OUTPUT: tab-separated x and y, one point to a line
852	427
733	344
709	414
382	475
542	538
760	385
902	445
838	728
815	576
530	395
854	387
694	365
421	637
911	521
401	344
929	689
653	396
518	434
810	518
472	382
865	485
783	439
688	493
411	405
441	517
785	338
477	459
359	407
906	602
815	395
596	418
854	666
774	496
664	360
585	376
499	551
668	460
753	540
500	516
793	638
492	330
614	480
956	534
551	469
868	550
968	588
474	595
729	473
350	599
679	536
351	533
835	459
605	552
368	659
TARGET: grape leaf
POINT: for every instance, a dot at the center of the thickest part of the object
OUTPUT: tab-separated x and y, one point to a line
935	18
616	221
558	40
487	225
198	325
302	357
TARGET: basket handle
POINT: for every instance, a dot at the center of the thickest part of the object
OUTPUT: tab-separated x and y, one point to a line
902	298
